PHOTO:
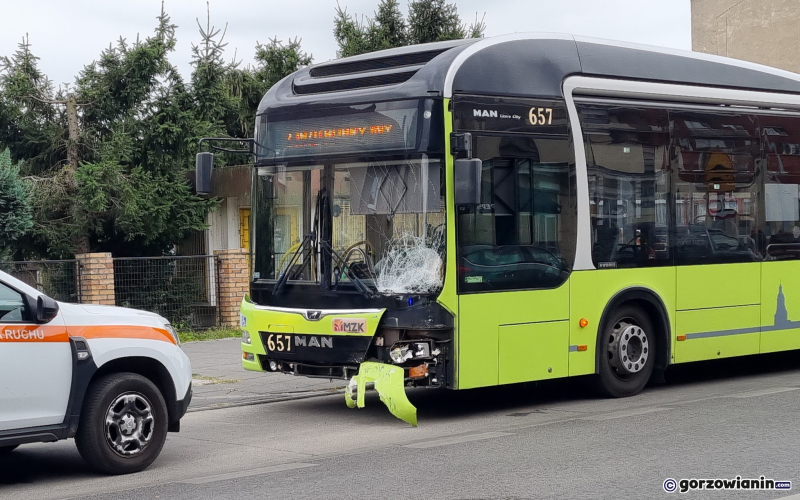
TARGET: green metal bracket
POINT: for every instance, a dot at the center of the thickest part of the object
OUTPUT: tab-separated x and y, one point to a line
389	381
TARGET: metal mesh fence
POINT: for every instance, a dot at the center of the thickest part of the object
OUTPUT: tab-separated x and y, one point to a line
55	278
182	289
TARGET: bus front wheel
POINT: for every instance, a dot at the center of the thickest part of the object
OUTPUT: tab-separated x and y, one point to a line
628	352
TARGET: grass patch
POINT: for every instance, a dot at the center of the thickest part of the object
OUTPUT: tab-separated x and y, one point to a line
211	334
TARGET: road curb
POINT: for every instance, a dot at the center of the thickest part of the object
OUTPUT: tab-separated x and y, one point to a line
261	401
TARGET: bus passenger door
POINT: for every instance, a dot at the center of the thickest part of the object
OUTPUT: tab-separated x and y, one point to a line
515	250
778	237
718	312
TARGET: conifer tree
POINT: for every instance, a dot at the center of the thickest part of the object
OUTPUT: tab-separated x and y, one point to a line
16	215
104	161
427	21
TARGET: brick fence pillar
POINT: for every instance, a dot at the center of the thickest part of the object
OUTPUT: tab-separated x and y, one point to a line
233	284
96	278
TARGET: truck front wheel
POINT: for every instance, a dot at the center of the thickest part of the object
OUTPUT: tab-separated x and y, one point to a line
123	424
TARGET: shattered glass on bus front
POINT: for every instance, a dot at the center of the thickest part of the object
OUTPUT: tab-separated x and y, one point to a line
386	222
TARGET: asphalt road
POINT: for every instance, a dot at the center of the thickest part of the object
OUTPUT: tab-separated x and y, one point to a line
219	380
553	440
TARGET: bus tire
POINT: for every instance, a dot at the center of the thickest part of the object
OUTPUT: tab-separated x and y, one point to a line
5	450
123	424
628	352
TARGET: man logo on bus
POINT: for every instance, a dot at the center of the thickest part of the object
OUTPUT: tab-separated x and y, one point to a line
350	325
484	113
313	315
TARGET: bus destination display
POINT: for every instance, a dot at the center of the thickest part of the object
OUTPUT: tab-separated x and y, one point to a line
379	127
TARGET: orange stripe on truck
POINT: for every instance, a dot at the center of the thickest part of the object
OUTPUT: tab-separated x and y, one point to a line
52	333
121	332
33	333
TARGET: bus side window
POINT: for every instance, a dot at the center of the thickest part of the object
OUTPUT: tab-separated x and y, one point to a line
522	235
778	238
629	184
714	185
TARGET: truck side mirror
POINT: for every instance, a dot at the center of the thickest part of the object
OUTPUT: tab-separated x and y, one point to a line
468	181
46	309
202	171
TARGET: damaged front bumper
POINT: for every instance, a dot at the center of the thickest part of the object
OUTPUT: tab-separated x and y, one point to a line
389	381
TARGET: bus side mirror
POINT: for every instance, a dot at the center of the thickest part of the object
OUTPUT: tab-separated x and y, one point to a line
202	171
468	181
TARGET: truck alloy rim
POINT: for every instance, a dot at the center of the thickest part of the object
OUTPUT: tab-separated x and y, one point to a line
628	349
129	424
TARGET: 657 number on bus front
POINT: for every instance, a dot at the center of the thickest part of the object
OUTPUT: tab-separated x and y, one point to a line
287	343
279	342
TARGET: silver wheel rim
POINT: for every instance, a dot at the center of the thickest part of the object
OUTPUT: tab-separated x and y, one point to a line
628	348
129	424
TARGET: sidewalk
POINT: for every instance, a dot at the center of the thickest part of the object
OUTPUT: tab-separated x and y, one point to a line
219	379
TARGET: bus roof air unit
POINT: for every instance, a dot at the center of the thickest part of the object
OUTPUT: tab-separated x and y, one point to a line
369	70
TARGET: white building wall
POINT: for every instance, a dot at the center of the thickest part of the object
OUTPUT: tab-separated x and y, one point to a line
218	228
234	238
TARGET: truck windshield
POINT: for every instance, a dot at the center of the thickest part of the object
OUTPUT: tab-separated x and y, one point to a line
378	222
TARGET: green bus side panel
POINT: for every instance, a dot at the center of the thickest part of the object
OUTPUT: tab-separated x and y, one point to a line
591	292
448	297
719	332
719	311
533	351
780	306
483	314
718	285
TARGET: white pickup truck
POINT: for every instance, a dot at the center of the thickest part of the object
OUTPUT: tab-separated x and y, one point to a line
113	378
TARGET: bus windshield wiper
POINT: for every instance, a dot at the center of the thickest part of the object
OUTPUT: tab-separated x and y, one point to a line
360	285
310	237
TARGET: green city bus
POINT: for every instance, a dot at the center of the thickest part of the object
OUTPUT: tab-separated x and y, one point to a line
493	211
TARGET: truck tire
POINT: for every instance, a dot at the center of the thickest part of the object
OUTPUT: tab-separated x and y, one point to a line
123	424
628	352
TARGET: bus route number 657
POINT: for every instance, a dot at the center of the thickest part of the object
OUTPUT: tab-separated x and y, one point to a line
540	116
279	342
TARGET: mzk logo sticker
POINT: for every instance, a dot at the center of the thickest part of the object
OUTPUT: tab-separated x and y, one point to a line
349	325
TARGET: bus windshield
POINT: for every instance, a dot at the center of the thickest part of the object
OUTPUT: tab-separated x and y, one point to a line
378	222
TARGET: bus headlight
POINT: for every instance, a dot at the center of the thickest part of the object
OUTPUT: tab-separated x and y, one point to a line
400	353
245	337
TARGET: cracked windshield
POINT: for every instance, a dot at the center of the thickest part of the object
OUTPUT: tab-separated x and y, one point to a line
377	222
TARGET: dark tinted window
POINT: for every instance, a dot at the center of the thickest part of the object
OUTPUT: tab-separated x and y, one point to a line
715	186
778	237
691	186
628	166
12	306
522	236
